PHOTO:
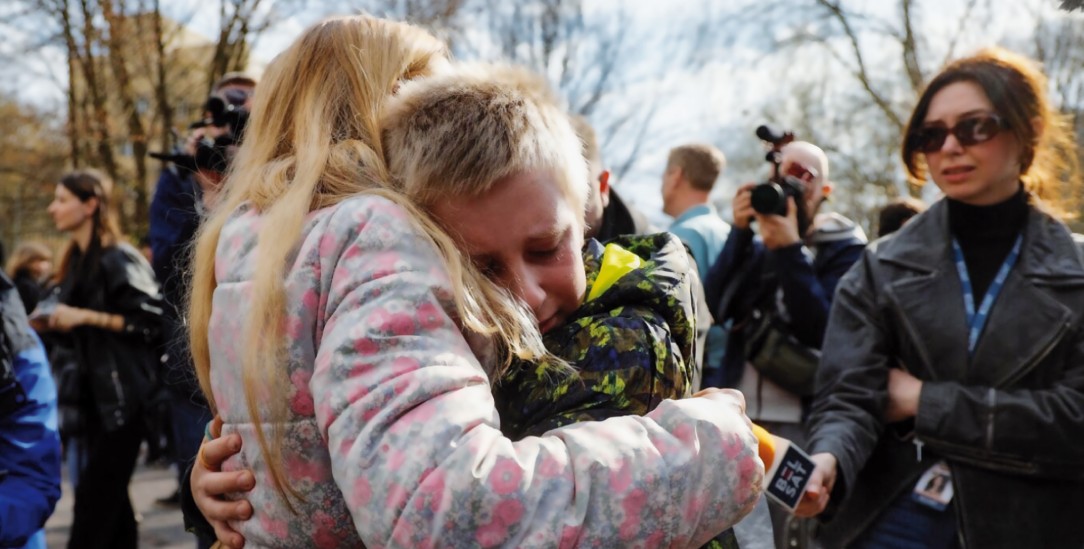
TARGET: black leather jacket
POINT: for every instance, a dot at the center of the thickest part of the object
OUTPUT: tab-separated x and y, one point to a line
118	368
1009	421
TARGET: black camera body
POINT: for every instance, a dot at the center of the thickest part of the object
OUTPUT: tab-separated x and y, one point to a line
213	154
770	197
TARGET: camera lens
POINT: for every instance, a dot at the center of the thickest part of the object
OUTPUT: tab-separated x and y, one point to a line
769	198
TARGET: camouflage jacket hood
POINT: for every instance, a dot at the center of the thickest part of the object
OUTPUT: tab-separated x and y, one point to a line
629	345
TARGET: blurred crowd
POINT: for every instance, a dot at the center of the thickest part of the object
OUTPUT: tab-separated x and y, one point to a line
934	376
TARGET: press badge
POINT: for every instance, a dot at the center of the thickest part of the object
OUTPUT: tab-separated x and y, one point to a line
934	487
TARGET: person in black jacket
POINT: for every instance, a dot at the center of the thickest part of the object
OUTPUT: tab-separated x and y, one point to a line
956	345
110	312
790	270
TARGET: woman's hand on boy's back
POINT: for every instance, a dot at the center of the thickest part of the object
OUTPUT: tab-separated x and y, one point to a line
209	485
723	395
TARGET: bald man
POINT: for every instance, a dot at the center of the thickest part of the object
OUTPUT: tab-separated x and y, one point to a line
790	270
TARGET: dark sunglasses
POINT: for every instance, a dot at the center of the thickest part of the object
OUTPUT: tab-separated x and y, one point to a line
801	172
968	132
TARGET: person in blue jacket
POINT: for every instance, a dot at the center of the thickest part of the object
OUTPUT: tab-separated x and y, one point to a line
792	270
29	441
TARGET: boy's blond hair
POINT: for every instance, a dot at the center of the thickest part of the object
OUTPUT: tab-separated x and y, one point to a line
463	131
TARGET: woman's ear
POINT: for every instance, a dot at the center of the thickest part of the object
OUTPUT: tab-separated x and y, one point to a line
1037	128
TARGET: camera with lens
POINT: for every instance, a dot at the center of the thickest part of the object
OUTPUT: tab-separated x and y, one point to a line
213	154
770	197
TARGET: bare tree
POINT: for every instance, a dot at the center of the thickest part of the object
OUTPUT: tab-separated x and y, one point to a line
606	64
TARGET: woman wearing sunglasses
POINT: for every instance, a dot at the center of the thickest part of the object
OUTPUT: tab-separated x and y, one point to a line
956	346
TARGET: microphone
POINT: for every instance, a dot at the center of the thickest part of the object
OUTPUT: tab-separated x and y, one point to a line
786	467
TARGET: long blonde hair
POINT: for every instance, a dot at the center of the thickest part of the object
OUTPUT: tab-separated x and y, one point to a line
312	141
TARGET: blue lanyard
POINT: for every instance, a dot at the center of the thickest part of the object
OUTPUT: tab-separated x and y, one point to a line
976	320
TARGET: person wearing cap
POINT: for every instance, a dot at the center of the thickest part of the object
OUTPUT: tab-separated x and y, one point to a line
789	271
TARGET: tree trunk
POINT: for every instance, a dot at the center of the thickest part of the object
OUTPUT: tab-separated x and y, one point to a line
123	89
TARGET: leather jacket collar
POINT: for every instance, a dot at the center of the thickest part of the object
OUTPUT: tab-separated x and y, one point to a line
1027	321
1051	251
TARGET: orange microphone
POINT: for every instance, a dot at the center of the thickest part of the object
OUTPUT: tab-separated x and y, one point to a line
767	445
786	467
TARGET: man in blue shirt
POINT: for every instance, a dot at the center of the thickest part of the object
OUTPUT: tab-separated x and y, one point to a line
690	175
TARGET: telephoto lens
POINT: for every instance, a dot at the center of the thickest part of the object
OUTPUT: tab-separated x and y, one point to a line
769	198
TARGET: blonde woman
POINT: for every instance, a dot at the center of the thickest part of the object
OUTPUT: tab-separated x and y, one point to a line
328	322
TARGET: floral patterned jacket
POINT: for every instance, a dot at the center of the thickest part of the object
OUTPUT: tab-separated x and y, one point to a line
393	437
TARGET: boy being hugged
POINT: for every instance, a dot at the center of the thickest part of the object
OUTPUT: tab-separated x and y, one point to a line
486	151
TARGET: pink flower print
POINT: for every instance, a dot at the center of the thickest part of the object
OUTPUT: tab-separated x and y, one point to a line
655	540
366	347
384	264
358	391
397	496
431	491
277	528
323	521
550	467
685	432
304	469
429	316
399	324
508	512
309	300
492	534
733	446
403	365
748	469
301	404
632	504
377	319
329	244
570	537
363	492
301	401
505	476
325	539
395	458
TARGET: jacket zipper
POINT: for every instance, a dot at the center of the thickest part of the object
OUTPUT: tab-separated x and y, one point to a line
118	387
961	515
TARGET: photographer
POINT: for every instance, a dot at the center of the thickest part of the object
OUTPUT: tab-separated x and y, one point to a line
775	292
187	186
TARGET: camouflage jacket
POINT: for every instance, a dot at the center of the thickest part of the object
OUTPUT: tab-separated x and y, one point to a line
629	343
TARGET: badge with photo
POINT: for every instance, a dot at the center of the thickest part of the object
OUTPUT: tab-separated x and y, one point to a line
934	487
